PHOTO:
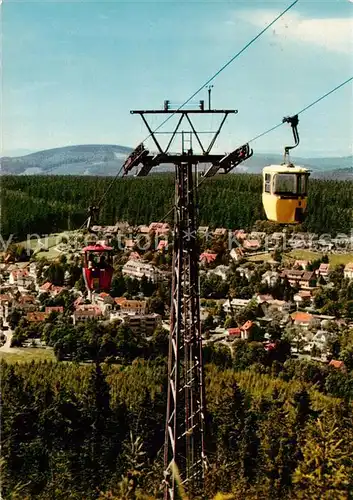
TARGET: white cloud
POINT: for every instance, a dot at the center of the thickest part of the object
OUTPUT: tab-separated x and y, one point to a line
334	34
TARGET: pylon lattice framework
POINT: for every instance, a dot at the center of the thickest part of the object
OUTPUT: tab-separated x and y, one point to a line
184	454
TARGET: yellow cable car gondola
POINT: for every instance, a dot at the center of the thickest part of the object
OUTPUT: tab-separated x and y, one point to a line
285	187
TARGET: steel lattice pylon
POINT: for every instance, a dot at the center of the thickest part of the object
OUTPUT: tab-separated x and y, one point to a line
184	453
184	441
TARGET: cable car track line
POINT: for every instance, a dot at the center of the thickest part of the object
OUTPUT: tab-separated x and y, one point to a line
224	67
277	126
252	140
304	109
199	90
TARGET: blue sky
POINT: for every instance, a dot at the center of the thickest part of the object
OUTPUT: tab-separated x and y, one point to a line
73	70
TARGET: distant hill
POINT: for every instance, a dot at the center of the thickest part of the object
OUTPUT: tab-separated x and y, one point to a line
320	167
106	159
90	159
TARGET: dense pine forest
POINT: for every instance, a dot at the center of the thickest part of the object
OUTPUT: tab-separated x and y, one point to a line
96	431
46	204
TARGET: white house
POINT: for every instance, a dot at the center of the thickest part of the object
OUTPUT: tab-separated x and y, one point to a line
324	270
270	278
83	315
235	304
221	271
348	271
303	298
21	278
321	338
131	306
142	324
137	269
244	272
6	306
236	254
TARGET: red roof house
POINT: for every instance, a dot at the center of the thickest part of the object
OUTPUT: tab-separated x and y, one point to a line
163	244
208	257
337	364
45	287
35	317
234	332
246	329
58	309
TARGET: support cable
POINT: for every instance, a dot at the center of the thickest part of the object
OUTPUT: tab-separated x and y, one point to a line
196	92
224	67
303	110
277	126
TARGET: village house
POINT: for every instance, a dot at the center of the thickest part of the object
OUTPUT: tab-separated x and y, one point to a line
301	264
162	246
270	306
262	298
339	365
21	278
257	235
36	317
129	245
236	254
45	288
103	301
251	245
141	324
17	266
102	298
244	272
348	271
56	309
159	228
308	280
123	227
301	278
134	256
323	270
26	303
98	229
270	278
240	234
246	330
234	333
105	229
82	315
221	271
6	306
235	305
320	340
137	269
325	245
143	229
303	298
276	238
207	257
302	319
126	306
220	232
203	230
111	230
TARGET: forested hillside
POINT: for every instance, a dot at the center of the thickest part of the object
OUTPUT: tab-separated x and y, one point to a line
45	204
72	431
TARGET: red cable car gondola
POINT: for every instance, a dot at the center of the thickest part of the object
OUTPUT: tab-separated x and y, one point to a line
97	267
